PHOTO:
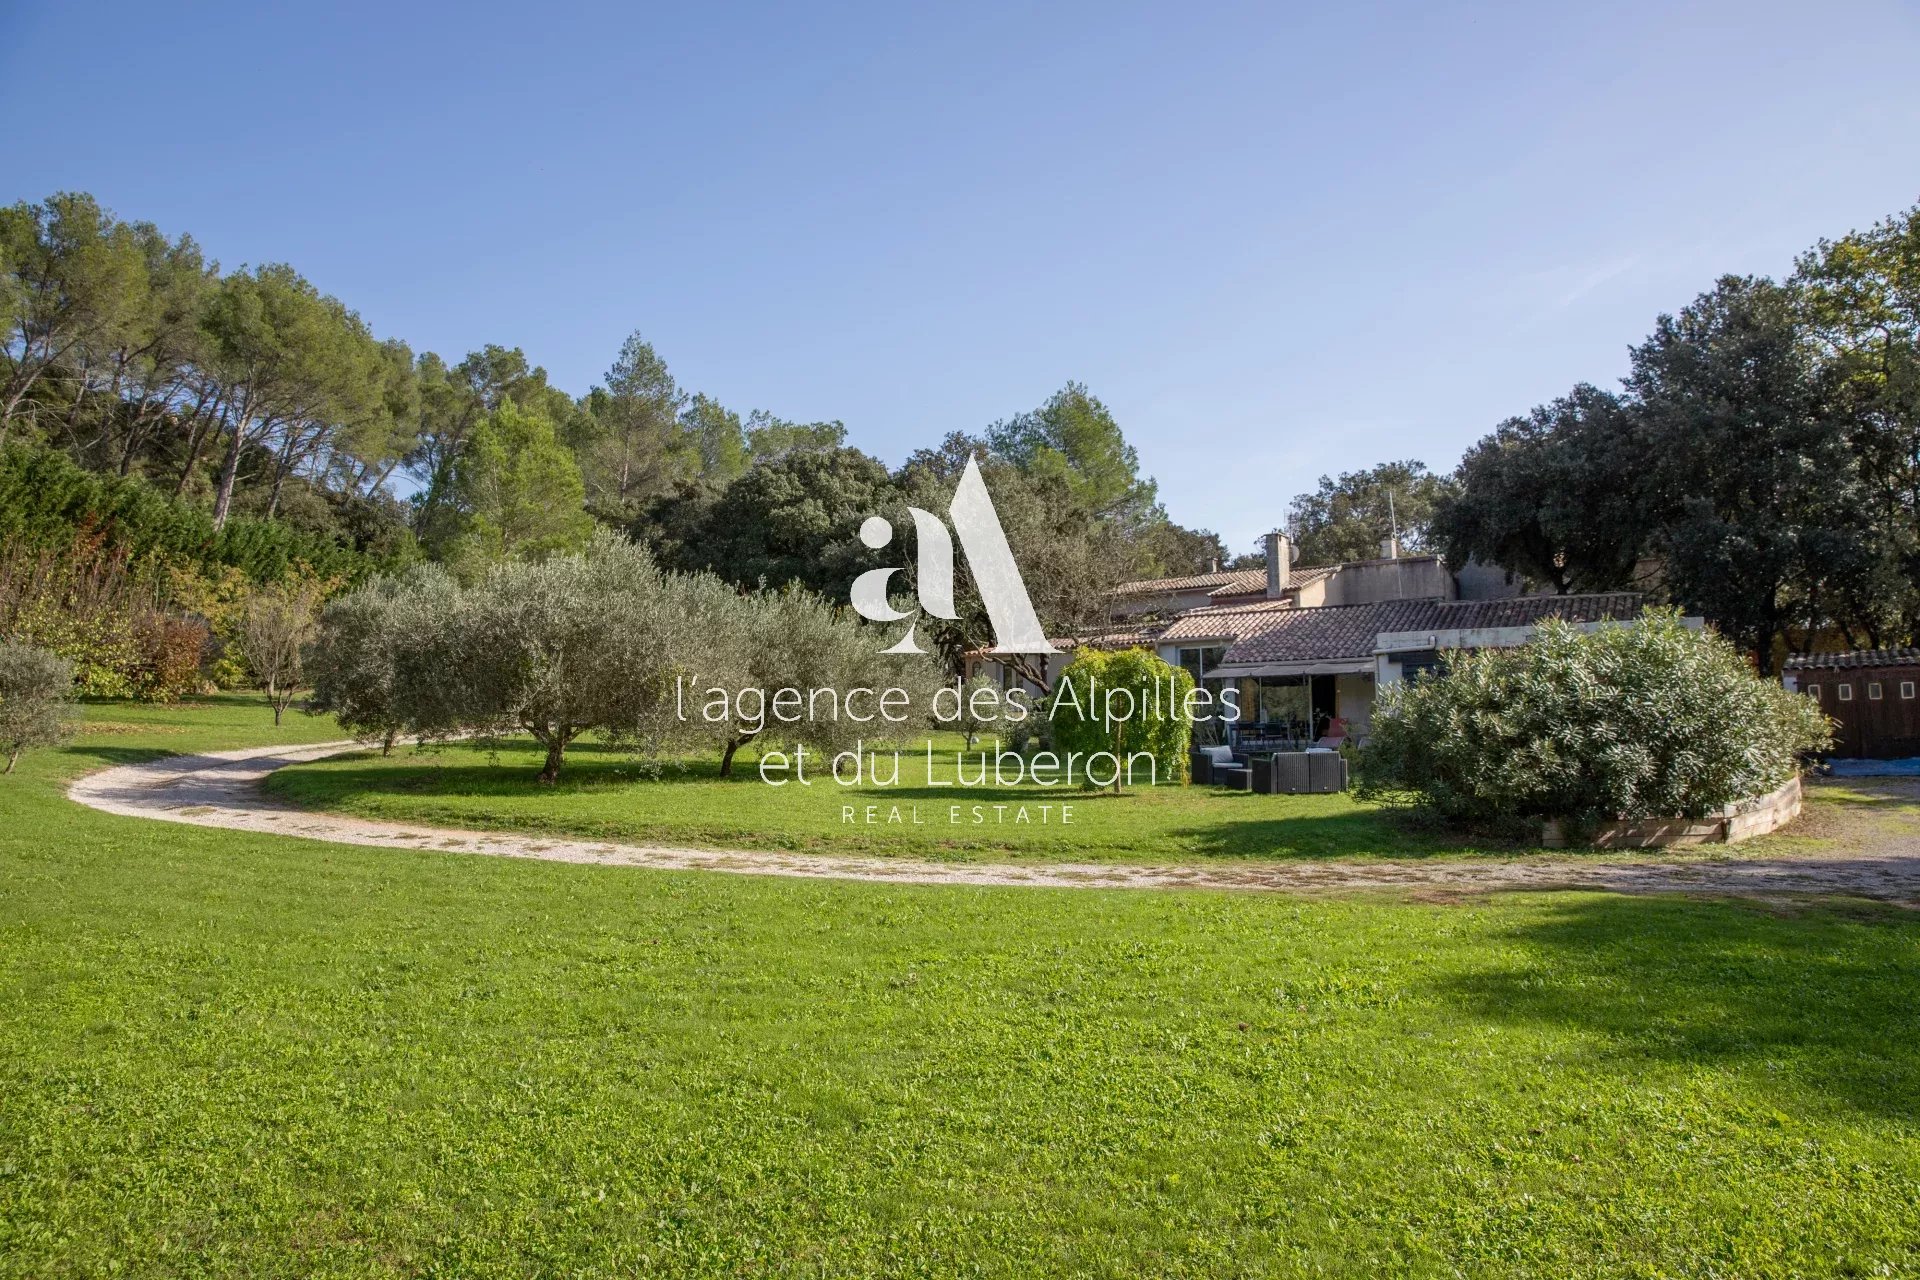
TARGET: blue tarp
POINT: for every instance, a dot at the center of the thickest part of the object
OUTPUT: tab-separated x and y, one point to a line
1909	768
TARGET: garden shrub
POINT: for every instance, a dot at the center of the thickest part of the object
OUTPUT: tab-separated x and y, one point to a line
1085	717
34	711
168	650
85	605
80	604
1648	720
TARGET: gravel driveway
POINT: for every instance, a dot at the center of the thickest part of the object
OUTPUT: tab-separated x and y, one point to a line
1865	843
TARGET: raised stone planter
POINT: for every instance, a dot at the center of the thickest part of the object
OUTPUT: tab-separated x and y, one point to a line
1730	825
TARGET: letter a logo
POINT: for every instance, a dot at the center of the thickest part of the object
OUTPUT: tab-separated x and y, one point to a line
1002	591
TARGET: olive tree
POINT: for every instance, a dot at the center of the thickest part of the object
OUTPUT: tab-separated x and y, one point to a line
356	661
978	707
594	641
1648	720
34	706
803	658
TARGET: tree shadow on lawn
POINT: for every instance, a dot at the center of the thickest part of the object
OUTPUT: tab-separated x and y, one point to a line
1193	822
104	755
1331	826
1819	998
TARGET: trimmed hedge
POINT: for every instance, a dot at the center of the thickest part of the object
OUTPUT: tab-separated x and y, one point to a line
46	498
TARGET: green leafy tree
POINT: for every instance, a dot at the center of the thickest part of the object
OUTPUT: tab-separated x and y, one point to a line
1073	437
1070	558
1861	298
1647	720
770	438
453	401
1351	518
1088	719
716	438
633	449
72	273
35	710
517	489
798	643
795	519
1765	518
587	642
1560	497
1167	550
285	364
382	420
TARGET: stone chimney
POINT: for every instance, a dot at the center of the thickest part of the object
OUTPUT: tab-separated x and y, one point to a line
1279	564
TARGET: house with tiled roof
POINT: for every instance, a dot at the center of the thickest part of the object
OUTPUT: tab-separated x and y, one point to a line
1301	646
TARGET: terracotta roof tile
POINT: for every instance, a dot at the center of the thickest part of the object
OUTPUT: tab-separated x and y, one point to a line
1349	631
1521	611
1225	578
1225	622
1336	631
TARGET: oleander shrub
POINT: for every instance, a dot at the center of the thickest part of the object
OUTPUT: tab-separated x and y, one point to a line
1652	719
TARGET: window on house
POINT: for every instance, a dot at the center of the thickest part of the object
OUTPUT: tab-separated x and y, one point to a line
1200	661
1812	691
1873	691
1419	663
1906	688
1845	691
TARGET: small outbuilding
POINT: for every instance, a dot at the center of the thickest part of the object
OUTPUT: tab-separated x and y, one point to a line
1873	696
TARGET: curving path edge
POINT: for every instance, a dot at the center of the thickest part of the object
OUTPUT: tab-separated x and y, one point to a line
222	789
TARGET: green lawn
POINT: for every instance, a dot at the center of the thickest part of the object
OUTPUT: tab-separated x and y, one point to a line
606	794
241	1055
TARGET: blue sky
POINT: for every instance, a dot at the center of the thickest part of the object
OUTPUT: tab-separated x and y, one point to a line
1277	241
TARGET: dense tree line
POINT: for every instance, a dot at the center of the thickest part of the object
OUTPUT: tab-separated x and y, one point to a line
1759	465
253	393
1065	484
253	397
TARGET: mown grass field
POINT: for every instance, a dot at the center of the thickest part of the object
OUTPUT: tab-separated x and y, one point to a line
605	794
229	1054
